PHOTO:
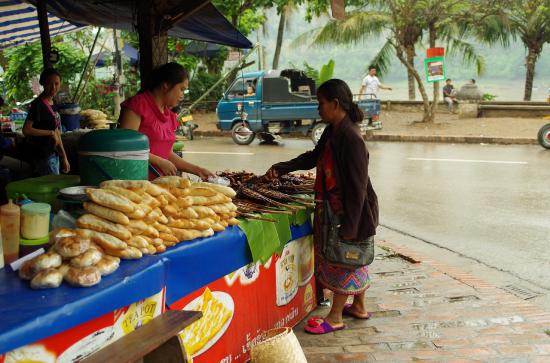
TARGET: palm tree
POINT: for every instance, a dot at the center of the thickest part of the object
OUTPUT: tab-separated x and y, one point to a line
405	23
284	10
530	21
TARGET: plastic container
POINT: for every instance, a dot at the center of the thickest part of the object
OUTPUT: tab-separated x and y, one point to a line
10	217
70	115
43	189
113	154
35	220
28	246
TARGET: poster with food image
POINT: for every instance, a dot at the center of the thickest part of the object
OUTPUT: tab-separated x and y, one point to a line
246	305
287	274
305	257
77	343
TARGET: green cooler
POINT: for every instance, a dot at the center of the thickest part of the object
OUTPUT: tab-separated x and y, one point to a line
43	189
113	154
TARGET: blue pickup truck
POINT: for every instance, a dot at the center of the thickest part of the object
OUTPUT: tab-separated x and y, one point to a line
269	103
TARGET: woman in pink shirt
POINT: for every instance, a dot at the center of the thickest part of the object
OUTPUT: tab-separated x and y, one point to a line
149	112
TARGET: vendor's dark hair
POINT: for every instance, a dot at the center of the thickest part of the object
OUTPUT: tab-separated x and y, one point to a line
47	73
169	73
338	89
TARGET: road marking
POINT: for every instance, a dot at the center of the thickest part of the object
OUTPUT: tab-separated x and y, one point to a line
472	161
215	153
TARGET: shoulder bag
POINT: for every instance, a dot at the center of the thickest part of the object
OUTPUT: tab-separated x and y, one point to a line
349	254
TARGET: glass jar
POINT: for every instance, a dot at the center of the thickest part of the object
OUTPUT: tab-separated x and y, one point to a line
35	220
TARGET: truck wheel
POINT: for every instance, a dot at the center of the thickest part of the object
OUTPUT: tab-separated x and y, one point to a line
317	131
544	136
241	134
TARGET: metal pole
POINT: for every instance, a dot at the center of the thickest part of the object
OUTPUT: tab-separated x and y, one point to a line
42	13
85	66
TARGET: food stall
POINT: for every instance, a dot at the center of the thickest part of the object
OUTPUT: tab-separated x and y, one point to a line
253	273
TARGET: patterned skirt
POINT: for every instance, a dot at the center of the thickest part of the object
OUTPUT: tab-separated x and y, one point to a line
338	279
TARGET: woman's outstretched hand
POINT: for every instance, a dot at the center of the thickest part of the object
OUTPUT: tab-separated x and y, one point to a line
272	174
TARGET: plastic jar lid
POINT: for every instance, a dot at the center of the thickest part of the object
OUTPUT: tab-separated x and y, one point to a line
36	208
34	242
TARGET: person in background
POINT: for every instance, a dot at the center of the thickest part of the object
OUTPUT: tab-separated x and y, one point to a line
371	84
472	81
42	128
5	173
369	89
250	91
449	94
149	112
342	179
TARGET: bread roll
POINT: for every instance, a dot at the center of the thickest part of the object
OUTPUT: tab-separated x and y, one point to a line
219	209
141	227
207	233
202	192
218	227
138	242
160	248
233	222
148	199
106	213
47	279
227	191
47	260
110	199
126	184
202	211
170	237
59	233
127	193
106	241
161	228
184	202
224	223
88	258
90	221
129	253
64	268
185	234
107	265
72	246
188	223
85	277
175	181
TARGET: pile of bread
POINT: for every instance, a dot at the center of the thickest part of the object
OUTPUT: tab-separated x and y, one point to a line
93	119
127	220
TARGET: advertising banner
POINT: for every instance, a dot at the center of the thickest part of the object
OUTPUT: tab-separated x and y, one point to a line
237	308
77	343
435	69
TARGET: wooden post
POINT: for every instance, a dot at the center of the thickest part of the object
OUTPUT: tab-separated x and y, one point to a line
42	13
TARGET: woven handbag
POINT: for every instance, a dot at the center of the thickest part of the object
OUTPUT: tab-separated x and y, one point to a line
278	346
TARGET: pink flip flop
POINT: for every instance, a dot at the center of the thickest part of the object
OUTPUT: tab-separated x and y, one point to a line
347	312
315	327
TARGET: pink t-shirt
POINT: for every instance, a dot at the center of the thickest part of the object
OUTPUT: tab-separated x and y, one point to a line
159	127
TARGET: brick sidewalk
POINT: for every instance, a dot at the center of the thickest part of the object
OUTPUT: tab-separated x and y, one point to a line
425	310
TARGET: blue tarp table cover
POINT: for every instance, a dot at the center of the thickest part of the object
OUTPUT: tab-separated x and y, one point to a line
28	315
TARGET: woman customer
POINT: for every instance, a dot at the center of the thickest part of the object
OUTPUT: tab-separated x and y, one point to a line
149	112
342	161
42	128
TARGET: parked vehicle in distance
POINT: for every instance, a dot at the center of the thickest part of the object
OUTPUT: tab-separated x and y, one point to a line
276	102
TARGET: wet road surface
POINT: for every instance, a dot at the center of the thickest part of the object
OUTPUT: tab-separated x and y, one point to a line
486	202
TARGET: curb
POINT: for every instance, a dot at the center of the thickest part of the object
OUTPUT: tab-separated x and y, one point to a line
371	136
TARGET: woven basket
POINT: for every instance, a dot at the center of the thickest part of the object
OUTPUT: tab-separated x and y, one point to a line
278	346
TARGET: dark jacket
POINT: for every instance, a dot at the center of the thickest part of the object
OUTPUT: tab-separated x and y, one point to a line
351	157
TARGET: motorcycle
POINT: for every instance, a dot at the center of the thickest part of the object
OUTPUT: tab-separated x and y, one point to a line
544	135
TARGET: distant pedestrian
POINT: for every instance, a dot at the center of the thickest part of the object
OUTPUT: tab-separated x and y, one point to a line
449	94
371	84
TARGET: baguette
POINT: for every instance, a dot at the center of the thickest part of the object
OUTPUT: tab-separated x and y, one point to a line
111	200
133	196
188	224
202	192
126	184
186	234
233	221
106	213
202	211
90	221
129	253
143	228
138	242
106	241
227	191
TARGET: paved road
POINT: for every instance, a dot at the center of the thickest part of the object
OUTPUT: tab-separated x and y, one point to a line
487	202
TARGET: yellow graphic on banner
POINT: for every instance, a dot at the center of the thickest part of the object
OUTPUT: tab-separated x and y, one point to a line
139	314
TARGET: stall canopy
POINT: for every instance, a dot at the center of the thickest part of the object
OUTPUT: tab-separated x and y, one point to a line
206	24
19	24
